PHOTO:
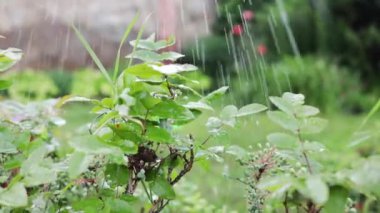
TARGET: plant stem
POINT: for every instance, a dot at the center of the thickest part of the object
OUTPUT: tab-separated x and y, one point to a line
146	191
304	152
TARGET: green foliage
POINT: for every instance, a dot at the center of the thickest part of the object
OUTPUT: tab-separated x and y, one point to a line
328	86
293	171
40	88
134	144
8	58
89	83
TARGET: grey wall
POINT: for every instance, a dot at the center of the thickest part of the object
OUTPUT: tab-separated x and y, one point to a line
41	28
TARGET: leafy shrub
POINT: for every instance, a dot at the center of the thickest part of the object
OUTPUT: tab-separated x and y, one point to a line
25	89
135	153
293	172
89	83
62	80
329	87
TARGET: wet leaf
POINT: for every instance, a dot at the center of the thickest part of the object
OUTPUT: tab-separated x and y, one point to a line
282	140
162	188
284	120
78	163
15	196
118	174
317	190
250	109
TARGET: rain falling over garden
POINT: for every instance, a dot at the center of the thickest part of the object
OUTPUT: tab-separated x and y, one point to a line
209	106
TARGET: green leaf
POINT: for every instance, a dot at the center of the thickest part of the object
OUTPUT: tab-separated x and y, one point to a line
317	190
216	94
313	146
170	109
9	57
88	205
104	121
118	205
91	145
366	176
150	44
278	185
306	111
198	106
250	109
172	69
294	99
162	188
6	147
236	151
171	56
157	134
143	71
118	174
228	115
153	57
5	84
129	131
337	200
127	146
71	98
282	140
15	196
214	124
284	120
312	125
78	163
283	105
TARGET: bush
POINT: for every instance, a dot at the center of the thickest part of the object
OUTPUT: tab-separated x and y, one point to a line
24	89
327	85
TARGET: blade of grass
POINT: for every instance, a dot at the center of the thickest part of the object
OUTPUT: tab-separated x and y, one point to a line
374	109
125	36
93	55
138	39
366	136
139	34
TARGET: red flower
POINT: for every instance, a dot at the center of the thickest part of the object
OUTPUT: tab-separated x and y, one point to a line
248	15
237	30
262	49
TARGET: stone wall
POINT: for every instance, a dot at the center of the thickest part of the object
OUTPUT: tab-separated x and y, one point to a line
41	28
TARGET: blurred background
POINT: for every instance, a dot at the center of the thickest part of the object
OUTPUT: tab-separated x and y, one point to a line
328	50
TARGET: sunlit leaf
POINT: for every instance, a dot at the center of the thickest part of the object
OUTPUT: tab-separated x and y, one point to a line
172	69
